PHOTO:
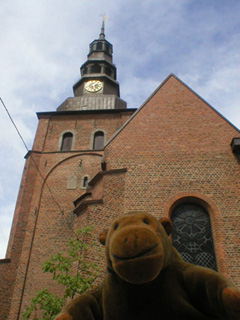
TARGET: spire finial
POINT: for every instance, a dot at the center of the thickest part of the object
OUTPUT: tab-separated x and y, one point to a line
102	34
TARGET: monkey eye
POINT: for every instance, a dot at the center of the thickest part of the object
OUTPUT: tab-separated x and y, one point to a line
116	226
146	221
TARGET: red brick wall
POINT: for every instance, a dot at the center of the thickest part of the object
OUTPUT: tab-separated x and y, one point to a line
177	146
16	242
82	126
6	280
44	219
101	216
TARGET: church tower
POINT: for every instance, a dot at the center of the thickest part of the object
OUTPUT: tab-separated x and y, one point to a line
67	153
97	87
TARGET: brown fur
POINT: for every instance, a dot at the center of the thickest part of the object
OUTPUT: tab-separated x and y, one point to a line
147	279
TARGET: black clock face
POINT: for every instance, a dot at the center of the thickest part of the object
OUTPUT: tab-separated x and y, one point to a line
93	86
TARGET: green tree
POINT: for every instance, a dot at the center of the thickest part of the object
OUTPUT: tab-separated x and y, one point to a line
70	269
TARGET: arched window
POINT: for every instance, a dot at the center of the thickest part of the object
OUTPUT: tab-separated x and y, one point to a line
96	68
108	71
192	235
98	140
99	45
72	182
67	141
85	182
84	71
108	49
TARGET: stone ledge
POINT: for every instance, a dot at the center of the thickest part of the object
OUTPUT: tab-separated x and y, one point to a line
7	260
99	175
85	204
83	196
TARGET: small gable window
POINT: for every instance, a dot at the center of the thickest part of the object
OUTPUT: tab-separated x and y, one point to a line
98	140
67	141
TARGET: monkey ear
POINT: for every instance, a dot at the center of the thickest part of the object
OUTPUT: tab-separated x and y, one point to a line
102	236
167	225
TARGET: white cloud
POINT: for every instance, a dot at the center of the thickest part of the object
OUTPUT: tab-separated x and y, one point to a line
1	191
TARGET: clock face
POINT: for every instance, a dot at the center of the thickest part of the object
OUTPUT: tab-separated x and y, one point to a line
93	86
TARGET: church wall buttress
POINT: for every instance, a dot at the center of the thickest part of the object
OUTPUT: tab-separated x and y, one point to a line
100	216
21	230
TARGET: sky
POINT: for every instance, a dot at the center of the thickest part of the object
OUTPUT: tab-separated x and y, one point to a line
44	43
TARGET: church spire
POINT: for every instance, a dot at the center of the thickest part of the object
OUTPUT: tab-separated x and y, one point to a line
102	34
98	87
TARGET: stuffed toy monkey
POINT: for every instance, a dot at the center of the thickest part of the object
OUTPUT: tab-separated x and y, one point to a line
147	279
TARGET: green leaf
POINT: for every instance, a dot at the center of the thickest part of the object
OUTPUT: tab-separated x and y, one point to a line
69	269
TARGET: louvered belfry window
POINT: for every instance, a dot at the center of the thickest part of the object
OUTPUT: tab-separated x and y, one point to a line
67	141
192	235
96	68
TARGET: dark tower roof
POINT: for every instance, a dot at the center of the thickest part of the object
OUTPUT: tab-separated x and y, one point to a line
97	87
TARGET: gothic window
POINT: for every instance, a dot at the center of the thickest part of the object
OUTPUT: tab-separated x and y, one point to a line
98	140
72	182
67	141
85	182
96	68
192	235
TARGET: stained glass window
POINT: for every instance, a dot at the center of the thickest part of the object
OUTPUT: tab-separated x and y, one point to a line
192	235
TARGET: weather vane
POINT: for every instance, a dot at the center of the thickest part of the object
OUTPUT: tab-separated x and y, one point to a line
104	17
102	35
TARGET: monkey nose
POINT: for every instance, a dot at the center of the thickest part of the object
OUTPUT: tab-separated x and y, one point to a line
131	240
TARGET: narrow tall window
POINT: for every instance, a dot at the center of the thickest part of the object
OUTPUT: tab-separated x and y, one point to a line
108	71
98	140
85	182
84	71
99	46
67	141
192	235
96	68
108	49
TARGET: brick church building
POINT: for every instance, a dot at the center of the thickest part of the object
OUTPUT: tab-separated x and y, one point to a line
94	159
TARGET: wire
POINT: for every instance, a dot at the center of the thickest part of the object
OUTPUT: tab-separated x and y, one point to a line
14	124
50	191
53	197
